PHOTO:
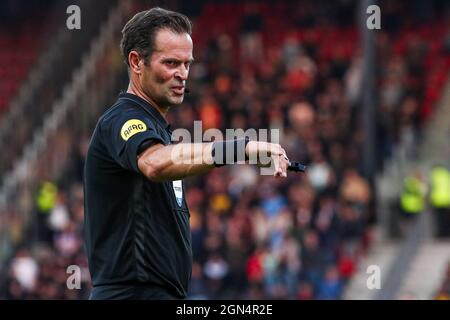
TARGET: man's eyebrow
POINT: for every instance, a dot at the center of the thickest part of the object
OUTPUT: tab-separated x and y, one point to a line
177	60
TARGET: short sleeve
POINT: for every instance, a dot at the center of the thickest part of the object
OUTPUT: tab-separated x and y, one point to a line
124	133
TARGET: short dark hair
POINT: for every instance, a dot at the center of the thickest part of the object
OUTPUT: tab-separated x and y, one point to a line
139	32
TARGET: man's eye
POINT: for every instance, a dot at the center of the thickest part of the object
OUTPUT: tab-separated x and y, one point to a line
170	63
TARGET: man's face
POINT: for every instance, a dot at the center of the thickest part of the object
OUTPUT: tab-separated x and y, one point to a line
165	74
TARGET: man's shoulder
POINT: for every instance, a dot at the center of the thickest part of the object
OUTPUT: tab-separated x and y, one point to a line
121	109
126	116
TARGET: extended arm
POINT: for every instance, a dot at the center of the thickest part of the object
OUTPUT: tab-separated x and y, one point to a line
178	161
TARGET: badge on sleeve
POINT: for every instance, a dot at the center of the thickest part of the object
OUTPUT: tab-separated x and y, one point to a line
131	127
178	189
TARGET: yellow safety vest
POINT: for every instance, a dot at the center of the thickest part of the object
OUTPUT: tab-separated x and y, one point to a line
440	188
412	199
46	198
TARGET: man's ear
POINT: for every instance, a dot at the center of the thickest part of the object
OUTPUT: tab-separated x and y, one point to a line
135	62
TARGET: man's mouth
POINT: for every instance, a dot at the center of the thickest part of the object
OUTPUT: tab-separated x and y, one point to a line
178	89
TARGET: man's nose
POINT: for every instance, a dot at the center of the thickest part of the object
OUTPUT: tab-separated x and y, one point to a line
182	73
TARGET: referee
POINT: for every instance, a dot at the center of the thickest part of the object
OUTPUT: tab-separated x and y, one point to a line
137	234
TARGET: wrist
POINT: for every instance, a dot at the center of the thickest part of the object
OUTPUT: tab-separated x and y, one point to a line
229	151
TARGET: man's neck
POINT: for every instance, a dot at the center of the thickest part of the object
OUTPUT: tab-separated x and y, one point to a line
133	90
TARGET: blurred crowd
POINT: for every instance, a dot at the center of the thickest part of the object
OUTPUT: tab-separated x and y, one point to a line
253	236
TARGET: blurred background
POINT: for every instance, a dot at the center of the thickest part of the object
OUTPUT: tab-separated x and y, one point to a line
367	110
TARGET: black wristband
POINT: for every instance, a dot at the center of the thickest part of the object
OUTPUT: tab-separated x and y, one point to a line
229	151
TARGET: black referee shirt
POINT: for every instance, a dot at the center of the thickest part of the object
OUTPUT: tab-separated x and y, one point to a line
136	231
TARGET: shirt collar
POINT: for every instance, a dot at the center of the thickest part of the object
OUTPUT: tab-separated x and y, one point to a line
145	104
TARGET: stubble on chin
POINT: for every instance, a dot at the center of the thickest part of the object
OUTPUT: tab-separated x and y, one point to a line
176	100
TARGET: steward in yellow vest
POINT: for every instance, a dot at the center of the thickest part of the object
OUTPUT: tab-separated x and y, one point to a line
440	199
440	187
412	199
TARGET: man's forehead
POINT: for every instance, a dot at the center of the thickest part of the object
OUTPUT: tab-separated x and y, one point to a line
167	41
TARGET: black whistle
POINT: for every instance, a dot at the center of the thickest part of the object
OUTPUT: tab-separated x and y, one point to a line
296	167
